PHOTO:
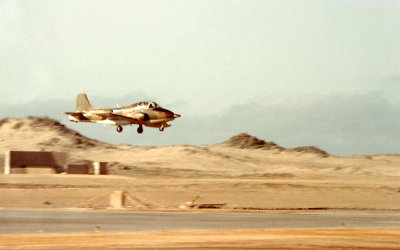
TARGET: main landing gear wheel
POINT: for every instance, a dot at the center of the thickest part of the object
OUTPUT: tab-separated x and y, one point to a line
161	128
119	129
140	129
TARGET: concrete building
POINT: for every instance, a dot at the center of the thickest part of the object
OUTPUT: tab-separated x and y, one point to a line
40	162
78	169
99	168
34	162
95	168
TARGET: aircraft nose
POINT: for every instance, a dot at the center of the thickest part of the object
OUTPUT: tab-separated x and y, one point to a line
169	114
172	115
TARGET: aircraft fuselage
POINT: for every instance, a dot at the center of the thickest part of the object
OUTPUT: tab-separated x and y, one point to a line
148	114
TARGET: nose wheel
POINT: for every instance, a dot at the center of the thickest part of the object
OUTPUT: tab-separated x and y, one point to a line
119	129
140	129
161	128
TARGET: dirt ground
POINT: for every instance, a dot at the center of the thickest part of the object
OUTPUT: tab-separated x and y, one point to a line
91	191
243	172
239	239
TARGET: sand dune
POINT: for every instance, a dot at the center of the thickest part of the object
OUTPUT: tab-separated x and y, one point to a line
240	156
244	167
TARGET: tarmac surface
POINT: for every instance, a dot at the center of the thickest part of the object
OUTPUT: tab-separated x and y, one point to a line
29	221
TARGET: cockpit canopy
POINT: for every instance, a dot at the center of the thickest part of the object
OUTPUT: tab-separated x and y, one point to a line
147	104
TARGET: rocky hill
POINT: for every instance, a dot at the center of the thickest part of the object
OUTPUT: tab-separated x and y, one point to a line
246	141
242	155
34	133
242	171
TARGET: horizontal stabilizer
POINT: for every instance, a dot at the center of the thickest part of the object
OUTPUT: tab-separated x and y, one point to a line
73	113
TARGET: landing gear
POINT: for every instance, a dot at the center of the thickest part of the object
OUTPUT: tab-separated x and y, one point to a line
119	129
140	129
161	128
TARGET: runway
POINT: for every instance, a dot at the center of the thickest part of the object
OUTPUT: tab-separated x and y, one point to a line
15	221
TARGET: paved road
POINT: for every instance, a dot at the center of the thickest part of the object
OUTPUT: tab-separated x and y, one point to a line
14	221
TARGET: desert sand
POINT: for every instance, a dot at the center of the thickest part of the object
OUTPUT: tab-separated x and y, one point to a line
242	172
246	239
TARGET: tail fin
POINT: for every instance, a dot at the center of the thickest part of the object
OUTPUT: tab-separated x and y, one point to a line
82	103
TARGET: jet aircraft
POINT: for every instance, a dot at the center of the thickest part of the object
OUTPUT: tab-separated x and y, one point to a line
148	114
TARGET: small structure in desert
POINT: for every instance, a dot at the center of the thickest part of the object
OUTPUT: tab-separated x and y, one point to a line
86	167
99	168
117	199
193	205
34	162
95	168
48	162
78	169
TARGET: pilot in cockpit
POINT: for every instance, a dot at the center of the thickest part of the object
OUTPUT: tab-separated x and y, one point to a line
152	105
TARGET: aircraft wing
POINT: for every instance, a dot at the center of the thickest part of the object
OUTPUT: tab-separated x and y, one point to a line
115	117
99	111
105	114
74	114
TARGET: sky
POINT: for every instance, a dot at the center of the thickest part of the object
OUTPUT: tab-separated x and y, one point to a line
296	72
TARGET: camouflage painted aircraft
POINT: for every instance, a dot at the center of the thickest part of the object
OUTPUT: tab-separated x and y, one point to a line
148	114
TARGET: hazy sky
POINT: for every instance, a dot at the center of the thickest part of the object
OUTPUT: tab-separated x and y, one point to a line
298	72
